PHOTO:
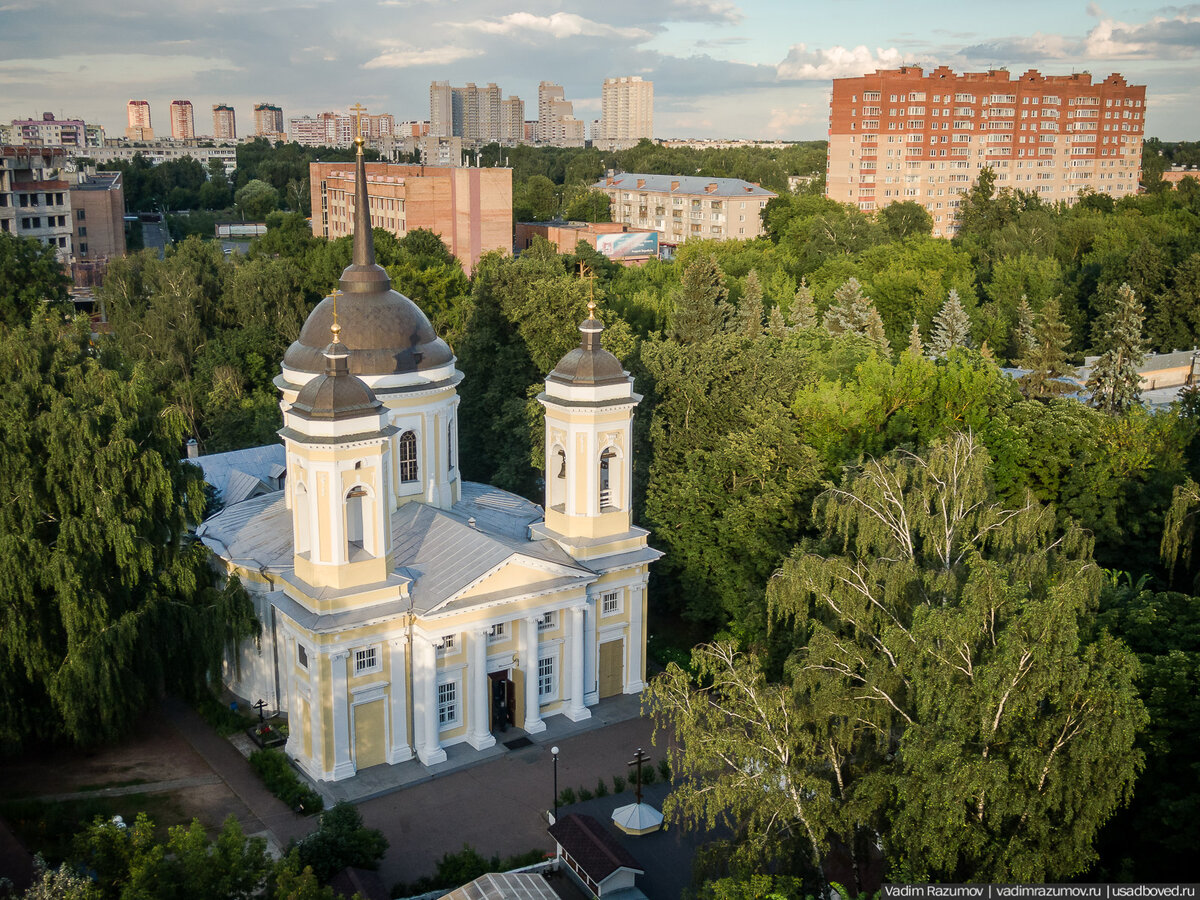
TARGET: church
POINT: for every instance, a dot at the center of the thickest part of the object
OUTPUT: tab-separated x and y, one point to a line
403	609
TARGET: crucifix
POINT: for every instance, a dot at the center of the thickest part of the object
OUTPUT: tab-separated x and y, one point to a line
262	704
358	109
588	275
335	328
638	758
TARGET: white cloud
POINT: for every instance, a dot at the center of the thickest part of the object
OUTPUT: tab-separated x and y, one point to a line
408	57
558	25
801	64
706	10
113	68
784	122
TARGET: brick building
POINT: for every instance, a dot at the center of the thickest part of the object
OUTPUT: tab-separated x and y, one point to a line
183	121
139	127
224	122
679	207
98	215
906	134
470	208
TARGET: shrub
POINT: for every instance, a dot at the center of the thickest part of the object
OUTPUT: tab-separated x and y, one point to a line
601	788
276	772
618	784
223	720
566	797
342	840
664	769
647	774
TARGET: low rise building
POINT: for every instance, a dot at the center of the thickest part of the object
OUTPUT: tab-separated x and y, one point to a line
679	207
156	152
470	208
98	216
620	243
50	132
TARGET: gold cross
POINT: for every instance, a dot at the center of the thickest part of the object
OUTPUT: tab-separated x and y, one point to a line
590	277
335	327
358	109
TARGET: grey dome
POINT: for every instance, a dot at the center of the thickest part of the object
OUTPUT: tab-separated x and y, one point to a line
589	363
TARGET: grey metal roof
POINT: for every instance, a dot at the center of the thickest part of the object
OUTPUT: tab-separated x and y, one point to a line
255	533
505	886
686	184
256	462
497	510
242	486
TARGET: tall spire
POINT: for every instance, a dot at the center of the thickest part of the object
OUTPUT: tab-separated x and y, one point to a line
364	241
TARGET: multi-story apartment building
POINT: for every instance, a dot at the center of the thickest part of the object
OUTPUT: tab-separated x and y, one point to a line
49	132
35	199
679	207
224	123
557	124
138	115
904	134
472	113
183	122
626	112
470	208
268	122
98	215
441	109
331	129
512	121
156	152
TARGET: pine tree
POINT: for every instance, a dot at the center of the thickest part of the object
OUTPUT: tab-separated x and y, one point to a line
1047	358
1115	383
803	313
750	310
951	328
1023	332
776	324
851	311
875	331
698	315
915	346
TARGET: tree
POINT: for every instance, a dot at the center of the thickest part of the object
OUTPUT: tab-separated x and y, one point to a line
341	840
589	206
914	340
852	312
803	313
256	199
697	314
750	308
31	279
952	328
108	599
1024	334
907	219
1115	383
1047	358
537	201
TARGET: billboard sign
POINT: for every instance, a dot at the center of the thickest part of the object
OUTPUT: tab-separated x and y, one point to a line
625	245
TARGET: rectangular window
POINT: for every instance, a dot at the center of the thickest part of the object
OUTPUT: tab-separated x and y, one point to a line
448	704
546	622
546	677
610	603
446	644
83	230
365	660
83	249
496	632
302	656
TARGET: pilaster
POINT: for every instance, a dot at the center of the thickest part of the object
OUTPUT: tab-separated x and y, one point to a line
479	735
398	749
529	655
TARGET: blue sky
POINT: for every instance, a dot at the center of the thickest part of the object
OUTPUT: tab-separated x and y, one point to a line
722	68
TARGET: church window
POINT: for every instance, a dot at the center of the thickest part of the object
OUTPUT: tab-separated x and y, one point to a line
302	656
303	543
610	603
496	632
366	659
546	621
448	704
607	481
446	644
546	684
354	520
408	457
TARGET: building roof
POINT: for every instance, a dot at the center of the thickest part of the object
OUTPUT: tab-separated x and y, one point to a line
505	886
233	472
592	847
335	394
589	363
98	181
684	184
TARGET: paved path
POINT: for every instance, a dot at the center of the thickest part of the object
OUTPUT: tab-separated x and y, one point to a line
151	787
271	813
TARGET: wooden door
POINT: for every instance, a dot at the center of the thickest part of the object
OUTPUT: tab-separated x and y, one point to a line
369	739
612	672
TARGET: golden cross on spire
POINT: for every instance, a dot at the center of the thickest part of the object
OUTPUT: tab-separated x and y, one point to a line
358	109
335	328
587	274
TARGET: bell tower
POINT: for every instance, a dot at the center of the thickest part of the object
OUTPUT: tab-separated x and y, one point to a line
589	403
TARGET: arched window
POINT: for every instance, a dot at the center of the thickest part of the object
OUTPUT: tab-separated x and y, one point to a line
609	496
408	457
355	531
558	479
301	513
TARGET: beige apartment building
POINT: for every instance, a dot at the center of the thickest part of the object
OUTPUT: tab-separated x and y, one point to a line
679	207
475	114
626	113
557	125
137	113
268	122
907	135
183	122
224	125
331	129
512	121
470	208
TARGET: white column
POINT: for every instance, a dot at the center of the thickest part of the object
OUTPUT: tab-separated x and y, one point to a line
429	749
591	689
398	750
637	643
343	764
479	735
576	709
529	655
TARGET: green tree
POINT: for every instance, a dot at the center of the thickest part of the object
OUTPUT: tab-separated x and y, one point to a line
914	340
697	315
1047	357
31	279
588	206
256	199
341	840
1024	333
803	312
852	312
537	201
95	552
750	307
951	328
907	219
1115	383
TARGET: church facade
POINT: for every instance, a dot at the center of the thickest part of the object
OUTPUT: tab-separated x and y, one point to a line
405	610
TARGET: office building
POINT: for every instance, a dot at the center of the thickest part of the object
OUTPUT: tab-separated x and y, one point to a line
679	207
626	112
138	127
557	125
909	135
224	126
470	208
183	124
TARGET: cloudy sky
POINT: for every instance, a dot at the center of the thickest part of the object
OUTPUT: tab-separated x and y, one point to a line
721	68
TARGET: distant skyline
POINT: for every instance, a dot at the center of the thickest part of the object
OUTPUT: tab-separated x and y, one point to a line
721	68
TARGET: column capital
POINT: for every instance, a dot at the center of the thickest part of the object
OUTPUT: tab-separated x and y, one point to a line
339	655
397	642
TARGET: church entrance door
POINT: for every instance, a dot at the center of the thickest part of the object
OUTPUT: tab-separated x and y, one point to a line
369	749
502	701
612	680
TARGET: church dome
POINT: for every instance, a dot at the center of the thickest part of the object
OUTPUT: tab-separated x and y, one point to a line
589	363
335	394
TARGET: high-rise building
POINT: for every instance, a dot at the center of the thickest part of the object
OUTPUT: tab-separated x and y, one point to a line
907	135
224	126
183	124
512	121
626	112
268	121
472	113
35	198
557	124
441	109
139	127
330	129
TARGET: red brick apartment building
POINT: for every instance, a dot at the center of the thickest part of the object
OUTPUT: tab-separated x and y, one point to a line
470	208
906	134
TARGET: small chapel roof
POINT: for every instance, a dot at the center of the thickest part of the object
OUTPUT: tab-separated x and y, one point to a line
589	363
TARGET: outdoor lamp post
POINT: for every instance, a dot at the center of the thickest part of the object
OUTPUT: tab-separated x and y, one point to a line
554	752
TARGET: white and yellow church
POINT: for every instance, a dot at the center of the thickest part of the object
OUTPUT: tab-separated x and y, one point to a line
405	610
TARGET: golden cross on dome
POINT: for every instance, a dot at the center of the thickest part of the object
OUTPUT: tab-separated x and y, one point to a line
335	328
358	109
588	275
